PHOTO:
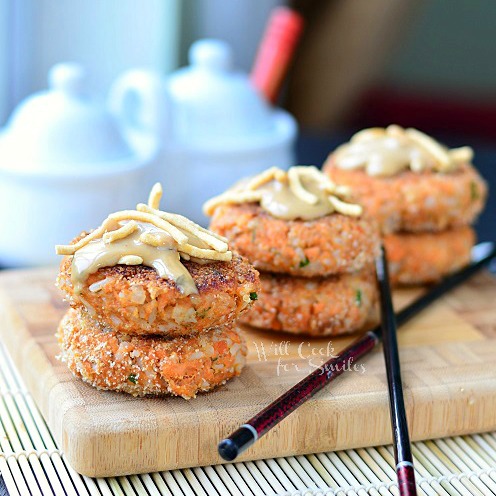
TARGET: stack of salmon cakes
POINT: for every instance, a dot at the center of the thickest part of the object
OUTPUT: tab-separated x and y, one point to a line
314	250
154	302
423	195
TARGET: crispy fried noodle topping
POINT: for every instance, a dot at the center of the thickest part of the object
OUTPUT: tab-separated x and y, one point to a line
302	192
386	152
146	236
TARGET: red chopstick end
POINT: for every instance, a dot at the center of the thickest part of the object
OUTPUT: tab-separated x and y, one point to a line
276	51
406	480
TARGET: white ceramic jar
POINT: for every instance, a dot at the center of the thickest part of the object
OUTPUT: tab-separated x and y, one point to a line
64	166
212	126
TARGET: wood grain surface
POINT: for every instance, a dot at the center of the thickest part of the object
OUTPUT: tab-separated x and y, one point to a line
447	354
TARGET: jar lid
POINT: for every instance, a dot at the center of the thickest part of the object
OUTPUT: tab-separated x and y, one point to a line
62	130
216	106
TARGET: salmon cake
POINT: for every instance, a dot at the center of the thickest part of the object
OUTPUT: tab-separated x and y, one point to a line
409	182
181	366
136	300
149	272
317	307
417	202
298	224
330	245
416	258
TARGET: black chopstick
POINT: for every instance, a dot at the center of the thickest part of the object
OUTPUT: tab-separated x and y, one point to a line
401	439
279	409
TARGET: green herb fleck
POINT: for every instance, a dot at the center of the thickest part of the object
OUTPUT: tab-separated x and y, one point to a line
133	378
253	296
203	313
474	191
304	262
358	297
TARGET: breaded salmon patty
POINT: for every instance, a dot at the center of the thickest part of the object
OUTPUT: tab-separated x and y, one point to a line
318	307
416	201
329	245
136	300
427	257
182	366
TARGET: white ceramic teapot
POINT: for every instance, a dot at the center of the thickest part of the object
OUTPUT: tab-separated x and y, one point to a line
210	123
64	166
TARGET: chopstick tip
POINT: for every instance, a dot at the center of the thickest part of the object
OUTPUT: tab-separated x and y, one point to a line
236	443
228	450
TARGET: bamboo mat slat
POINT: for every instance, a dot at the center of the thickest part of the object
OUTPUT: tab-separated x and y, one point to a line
32	463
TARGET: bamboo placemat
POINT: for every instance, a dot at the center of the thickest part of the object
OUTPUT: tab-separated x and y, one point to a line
31	463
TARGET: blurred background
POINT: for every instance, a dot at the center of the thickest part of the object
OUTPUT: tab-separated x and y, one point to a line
419	63
427	64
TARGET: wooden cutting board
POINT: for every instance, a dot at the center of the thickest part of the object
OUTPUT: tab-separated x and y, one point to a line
448	356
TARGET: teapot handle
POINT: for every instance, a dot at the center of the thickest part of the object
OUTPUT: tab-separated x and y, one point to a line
138	99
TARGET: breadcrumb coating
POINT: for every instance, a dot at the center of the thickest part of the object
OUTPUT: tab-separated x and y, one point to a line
416	201
135	300
181	366
334	244
318	307
418	258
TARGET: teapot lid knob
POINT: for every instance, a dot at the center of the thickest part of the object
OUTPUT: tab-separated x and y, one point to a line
211	54
69	78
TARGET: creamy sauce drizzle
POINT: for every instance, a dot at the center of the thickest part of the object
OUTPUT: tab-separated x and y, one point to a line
381	157
386	152
165	259
302	192
281	202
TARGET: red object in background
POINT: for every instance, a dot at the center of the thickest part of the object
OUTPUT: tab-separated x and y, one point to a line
427	111
276	51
